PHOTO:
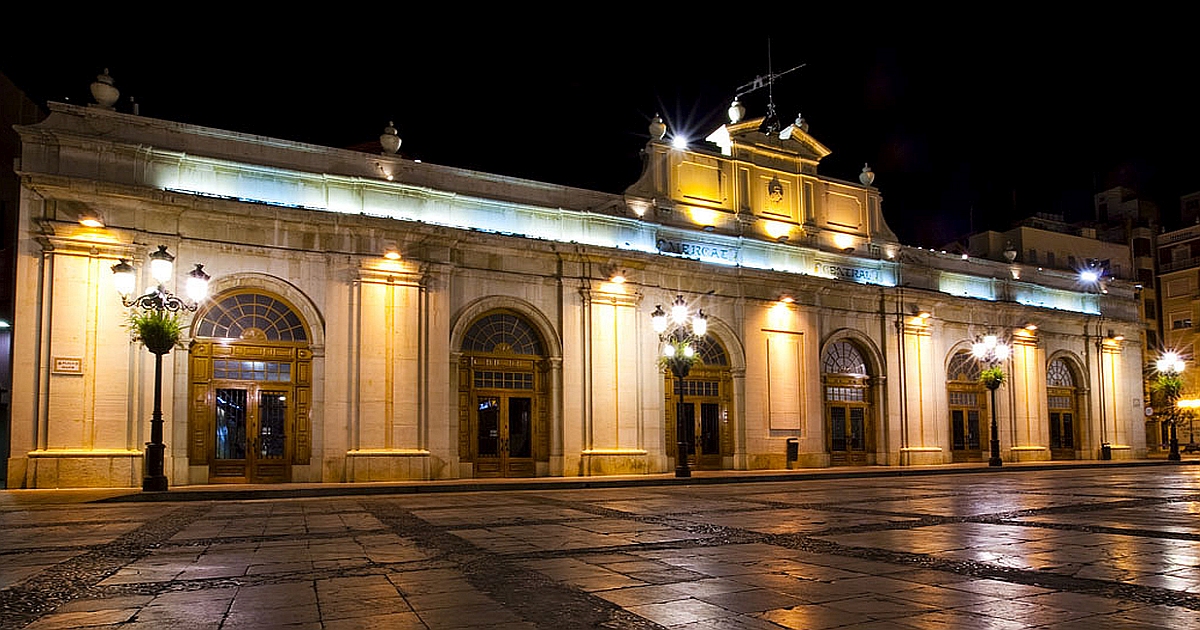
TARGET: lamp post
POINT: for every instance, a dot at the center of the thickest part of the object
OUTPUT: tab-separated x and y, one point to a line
679	332
159	332
1169	385
991	351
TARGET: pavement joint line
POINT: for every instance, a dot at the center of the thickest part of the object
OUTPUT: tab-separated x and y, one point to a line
71	578
699	478
527	591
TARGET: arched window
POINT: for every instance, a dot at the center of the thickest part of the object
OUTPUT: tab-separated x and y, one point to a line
502	332
1058	375
841	357
244	315
963	367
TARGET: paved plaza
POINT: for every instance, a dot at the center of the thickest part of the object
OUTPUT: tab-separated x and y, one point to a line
1072	547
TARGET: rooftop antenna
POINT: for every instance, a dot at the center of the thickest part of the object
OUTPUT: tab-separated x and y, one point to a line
770	123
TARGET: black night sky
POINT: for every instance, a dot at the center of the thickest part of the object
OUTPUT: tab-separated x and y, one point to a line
968	123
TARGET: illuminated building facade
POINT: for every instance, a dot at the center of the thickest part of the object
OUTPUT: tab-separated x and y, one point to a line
373	318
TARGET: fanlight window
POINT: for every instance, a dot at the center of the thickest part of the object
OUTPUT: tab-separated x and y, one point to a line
1058	375
708	351
235	316
963	367
842	357
502	332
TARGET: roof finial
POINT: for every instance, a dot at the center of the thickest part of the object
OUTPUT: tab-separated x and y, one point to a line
389	139
104	90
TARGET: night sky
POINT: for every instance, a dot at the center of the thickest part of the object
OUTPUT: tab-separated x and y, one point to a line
967	123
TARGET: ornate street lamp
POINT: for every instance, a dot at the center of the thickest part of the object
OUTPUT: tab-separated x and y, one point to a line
158	329
679	333
991	351
1169	385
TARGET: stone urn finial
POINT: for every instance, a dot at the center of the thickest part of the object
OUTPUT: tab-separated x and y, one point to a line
658	129
737	111
389	139
867	177
1010	252
104	90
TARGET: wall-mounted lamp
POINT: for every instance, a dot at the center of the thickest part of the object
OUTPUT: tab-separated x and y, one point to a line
1030	326
787	299
91	220
617	276
391	254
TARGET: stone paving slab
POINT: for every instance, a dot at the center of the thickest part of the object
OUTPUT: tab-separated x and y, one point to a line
1088	547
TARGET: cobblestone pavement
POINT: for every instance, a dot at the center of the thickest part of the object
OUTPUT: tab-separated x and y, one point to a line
1070	548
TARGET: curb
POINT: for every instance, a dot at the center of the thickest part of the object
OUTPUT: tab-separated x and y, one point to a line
247	493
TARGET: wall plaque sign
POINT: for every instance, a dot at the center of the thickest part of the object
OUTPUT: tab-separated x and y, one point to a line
66	365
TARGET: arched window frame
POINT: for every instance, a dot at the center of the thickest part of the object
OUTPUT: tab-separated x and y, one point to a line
502	331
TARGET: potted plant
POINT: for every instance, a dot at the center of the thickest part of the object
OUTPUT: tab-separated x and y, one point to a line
158	330
992	377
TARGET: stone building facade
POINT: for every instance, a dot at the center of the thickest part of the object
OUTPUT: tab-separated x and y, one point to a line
372	318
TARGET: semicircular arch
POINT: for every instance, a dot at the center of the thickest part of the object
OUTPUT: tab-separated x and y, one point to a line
725	336
476	309
1074	365
863	343
270	285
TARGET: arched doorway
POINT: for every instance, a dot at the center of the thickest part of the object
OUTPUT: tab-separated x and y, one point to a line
966	400
250	371
707	392
849	413
502	386
1061	396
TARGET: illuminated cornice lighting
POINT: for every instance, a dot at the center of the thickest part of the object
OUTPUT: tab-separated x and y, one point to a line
843	241
1030	326
391	254
787	299
617	277
704	216
91	220
777	230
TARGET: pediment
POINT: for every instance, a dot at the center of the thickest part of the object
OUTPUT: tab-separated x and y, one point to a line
790	139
